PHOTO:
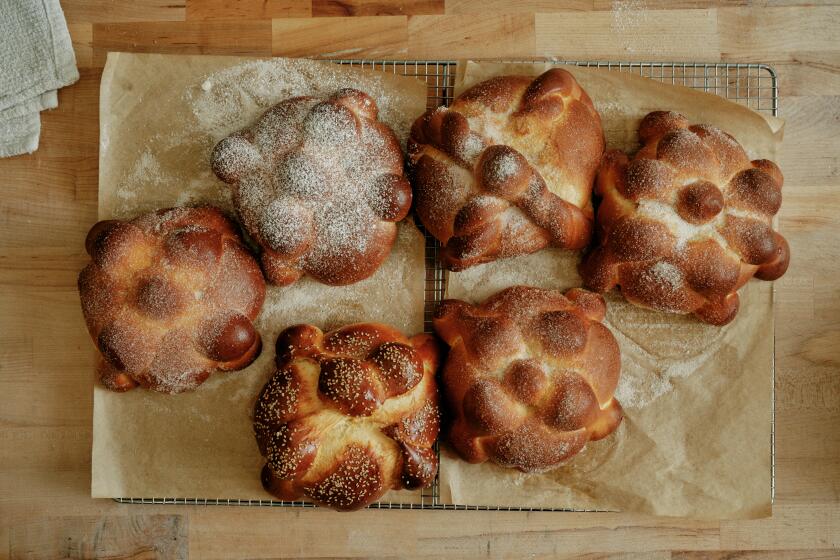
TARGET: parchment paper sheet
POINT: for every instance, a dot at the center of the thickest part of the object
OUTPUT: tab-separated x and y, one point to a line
695	440
159	118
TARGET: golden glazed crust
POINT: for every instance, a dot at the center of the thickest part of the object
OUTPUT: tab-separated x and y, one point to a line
170	297
508	168
529	377
319	184
349	414
687	222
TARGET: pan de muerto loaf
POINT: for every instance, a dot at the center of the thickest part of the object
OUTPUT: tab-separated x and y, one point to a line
508	168
349	415
319	184
687	221
169	298
530	376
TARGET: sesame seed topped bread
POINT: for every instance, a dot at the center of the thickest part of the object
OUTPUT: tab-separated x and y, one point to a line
508	168
530	376
349	414
318	183
687	221
169	298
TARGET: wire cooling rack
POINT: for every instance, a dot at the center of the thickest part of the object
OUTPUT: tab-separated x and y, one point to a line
752	85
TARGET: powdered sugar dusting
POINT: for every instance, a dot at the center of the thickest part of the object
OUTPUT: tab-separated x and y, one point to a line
664	274
391	295
503	167
313	168
239	94
171	167
472	148
683	231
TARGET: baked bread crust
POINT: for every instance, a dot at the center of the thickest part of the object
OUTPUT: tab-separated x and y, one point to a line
687	222
508	168
170	297
319	184
530	376
349	414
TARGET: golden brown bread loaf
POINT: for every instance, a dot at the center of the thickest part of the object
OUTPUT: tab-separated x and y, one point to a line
508	168
170	297
319	184
687	222
349	414
530	376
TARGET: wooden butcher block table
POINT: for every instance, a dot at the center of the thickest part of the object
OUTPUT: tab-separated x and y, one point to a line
49	200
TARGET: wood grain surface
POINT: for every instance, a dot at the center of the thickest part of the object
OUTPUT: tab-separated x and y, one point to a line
48	201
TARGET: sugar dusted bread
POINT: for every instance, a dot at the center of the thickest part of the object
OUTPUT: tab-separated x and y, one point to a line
530	376
687	221
318	183
349	414
508	168
169	298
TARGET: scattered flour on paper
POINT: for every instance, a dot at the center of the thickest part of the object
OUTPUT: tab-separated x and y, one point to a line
651	363
228	100
549	268
388	296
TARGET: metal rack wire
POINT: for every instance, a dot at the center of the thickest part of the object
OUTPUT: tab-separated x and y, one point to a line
752	85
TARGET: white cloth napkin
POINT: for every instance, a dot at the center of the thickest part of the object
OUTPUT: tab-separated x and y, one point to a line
36	58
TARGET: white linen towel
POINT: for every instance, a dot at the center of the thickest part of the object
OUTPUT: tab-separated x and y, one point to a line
36	58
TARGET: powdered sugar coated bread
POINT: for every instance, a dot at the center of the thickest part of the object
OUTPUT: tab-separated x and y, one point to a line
529	377
319	184
687	222
170	297
508	168
349	414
